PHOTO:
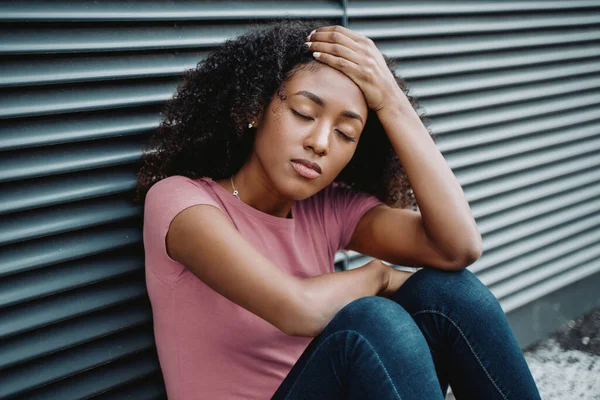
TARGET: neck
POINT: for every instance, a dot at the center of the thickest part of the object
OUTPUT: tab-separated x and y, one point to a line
257	192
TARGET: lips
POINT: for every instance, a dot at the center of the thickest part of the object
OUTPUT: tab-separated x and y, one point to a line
309	164
306	169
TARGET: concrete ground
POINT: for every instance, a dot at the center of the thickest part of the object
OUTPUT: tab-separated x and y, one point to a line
566	365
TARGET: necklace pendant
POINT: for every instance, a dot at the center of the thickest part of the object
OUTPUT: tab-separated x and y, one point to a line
235	193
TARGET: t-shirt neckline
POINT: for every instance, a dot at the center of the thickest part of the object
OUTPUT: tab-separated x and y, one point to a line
234	201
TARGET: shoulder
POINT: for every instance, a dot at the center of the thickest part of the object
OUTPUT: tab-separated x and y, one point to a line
174	193
174	182
177	185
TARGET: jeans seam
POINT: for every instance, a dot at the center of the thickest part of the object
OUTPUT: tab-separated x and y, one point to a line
325	340
468	344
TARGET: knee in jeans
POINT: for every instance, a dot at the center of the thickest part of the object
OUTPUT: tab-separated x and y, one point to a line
457	289
369	309
379	317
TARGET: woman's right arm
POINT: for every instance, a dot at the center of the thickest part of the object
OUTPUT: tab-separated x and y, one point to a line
205	241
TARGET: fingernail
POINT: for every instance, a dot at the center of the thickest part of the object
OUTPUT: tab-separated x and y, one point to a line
316	54
310	34
307	44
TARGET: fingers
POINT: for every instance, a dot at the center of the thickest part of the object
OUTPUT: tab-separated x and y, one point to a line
337	33
348	67
336	50
338	47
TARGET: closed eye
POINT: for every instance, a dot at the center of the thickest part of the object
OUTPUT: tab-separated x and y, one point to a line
349	138
302	115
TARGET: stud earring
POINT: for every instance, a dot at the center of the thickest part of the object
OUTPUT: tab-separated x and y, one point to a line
250	125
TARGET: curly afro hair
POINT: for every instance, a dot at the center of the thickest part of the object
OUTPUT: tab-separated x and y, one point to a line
205	127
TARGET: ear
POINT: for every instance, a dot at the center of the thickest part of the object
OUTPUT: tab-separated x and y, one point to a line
256	119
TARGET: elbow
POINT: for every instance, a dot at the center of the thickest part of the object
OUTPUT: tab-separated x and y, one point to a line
467	257
302	326
303	319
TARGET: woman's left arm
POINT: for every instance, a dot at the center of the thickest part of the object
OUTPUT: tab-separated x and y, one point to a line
445	214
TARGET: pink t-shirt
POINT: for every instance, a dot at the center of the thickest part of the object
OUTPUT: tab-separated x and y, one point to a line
208	346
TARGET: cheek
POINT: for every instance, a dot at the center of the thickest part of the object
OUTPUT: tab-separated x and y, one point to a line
345	160
269	147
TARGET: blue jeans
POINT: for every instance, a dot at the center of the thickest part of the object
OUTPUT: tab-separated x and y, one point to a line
440	328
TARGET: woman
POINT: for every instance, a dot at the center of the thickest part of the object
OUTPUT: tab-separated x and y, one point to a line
273	155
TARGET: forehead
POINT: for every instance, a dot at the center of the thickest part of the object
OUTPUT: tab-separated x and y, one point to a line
333	86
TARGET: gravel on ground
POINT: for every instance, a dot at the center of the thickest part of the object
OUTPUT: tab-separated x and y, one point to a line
566	364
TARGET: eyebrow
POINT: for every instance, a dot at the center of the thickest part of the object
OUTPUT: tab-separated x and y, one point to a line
320	102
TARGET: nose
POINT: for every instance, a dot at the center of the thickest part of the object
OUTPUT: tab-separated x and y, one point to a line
318	139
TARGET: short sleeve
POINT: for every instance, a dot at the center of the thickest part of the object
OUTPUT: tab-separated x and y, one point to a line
164	200
344	207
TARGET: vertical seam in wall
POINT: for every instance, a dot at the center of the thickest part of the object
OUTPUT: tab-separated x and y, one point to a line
345	15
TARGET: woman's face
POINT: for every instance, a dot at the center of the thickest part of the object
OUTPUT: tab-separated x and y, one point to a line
320	120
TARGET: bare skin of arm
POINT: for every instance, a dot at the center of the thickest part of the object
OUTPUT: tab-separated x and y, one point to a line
204	240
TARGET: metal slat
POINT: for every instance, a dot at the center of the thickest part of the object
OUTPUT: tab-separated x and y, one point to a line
47	311
451	123
47	191
479	81
541	224
61	70
539	207
145	37
509	95
448	144
43	282
567	55
364	9
483	43
550	269
63	335
75	360
450	25
514	148
88	40
150	388
69	158
92	97
503	167
44	131
544	288
35	224
502	253
97	381
523	180
137	369
496	205
539	258
69	246
149	10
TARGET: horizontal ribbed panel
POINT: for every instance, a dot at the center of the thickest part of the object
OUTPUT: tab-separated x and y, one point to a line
137	376
61	10
66	363
38	343
512	91
425	8
82	84
41	192
57	70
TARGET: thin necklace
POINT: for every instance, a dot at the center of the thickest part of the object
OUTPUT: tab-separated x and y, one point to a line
235	192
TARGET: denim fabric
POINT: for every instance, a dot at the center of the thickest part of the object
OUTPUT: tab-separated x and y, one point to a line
440	328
